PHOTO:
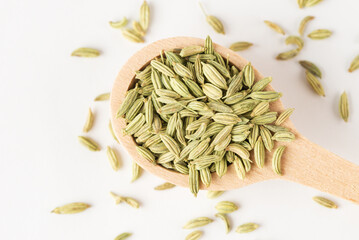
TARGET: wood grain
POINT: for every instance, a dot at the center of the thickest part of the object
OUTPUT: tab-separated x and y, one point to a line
303	162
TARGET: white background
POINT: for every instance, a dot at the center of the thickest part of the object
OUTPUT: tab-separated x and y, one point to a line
45	95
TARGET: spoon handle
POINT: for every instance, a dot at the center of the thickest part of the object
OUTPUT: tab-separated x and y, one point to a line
309	164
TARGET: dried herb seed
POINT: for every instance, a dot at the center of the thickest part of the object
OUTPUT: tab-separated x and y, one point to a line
247	227
132	35
315	84
197	222
296	41
354	65
214	22
276	161
344	107
86	52
195	235
165	186
275	27
130	201
89	143
103	97
311	3
225	220
145	15
123	236
311	67
226	207
136	171
288	55
284	116
119	24
240	46
325	202
320	34
112	157
89	121
304	23
71	208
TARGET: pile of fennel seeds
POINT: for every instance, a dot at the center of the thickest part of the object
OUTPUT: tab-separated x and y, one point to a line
193	112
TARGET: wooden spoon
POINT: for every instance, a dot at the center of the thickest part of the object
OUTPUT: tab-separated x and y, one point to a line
302	162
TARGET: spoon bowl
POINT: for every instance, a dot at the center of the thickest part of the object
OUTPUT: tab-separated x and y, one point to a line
302	162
